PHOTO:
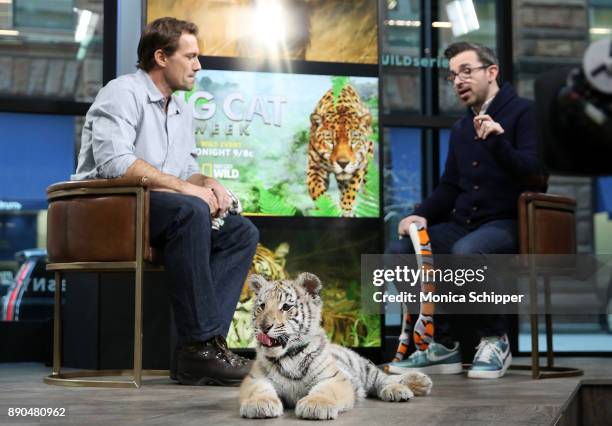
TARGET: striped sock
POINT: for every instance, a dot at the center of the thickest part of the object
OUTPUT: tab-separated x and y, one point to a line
423	332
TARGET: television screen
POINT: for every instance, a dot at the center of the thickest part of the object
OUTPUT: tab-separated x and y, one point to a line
316	30
335	258
290	144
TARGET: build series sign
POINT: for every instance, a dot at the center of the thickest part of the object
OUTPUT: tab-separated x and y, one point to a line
396	60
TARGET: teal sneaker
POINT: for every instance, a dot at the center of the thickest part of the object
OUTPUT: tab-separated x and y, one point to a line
436	359
492	358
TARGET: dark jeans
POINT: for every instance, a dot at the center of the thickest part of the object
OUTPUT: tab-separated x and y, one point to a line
207	268
495	237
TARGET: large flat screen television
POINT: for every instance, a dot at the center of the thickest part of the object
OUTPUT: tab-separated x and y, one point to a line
290	144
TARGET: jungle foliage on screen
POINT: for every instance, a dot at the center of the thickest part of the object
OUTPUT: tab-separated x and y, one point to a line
334	257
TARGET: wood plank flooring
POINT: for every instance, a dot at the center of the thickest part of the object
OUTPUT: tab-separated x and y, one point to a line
457	400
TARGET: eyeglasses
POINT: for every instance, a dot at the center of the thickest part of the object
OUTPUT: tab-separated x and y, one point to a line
463	74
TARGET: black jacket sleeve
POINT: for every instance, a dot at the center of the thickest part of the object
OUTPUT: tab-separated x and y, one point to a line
519	159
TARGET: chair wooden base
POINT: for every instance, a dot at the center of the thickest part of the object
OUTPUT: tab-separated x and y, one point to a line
549	371
77	378
547	225
552	372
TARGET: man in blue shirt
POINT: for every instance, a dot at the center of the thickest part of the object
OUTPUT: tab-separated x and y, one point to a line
137	127
492	153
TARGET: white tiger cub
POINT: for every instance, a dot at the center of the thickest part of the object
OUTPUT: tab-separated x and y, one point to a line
297	365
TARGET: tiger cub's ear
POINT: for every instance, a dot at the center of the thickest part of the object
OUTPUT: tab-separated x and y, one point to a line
310	282
256	282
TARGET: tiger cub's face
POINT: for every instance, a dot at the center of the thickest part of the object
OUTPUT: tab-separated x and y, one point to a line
286	313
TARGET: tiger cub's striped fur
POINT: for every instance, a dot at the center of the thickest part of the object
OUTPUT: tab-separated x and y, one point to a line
297	366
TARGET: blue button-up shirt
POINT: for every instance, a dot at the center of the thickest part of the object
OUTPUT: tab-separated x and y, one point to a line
127	121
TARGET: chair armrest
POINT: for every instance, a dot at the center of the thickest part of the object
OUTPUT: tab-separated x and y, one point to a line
527	197
120	182
542	219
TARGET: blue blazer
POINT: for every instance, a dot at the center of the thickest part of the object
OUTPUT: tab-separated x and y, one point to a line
483	179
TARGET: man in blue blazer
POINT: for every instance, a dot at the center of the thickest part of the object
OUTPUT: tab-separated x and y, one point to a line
492	153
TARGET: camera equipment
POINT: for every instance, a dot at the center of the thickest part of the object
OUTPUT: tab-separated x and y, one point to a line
574	114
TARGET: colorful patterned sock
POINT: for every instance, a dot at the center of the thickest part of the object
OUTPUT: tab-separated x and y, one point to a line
423	331
404	338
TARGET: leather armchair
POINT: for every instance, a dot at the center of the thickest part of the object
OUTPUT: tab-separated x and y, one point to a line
547	225
97	226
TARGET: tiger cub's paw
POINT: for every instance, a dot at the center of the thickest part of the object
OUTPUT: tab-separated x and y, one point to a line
261	407
418	383
316	407
395	392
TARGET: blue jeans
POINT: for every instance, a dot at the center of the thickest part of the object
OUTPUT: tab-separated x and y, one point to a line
495	237
207	268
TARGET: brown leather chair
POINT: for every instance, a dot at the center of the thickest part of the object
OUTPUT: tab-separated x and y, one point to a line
547	225
97	226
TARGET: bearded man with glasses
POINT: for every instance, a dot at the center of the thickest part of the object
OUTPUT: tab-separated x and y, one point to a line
491	158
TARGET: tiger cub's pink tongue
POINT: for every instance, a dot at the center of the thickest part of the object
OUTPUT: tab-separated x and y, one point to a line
264	339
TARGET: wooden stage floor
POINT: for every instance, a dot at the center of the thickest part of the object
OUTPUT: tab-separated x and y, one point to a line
515	399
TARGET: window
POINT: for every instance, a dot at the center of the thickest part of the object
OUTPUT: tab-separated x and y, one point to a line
443	149
400	57
402	176
600	19
553	35
51	49
37	150
462	20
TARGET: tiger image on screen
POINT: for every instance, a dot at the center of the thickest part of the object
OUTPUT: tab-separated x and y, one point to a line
340	130
269	264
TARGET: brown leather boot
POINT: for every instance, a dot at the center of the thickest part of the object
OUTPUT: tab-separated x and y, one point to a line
210	363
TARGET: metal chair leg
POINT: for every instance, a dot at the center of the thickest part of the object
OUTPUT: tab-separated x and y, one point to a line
138	327
549	371
80	378
57	324
550	360
535	350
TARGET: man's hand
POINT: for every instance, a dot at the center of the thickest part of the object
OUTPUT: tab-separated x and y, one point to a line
485	126
223	199
159	181
205	194
405	224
